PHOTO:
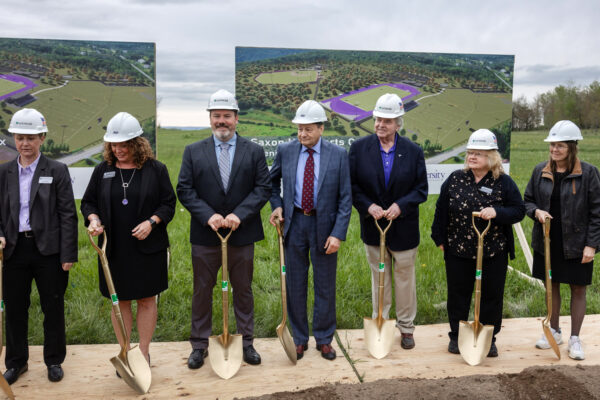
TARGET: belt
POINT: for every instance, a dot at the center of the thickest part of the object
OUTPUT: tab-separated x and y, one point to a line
311	213
26	234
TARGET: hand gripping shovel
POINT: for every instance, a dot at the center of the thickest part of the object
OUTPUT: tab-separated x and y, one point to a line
546	321
474	339
379	332
130	364
282	330
5	386
226	352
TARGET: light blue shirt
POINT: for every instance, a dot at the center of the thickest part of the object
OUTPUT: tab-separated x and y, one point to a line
300	173
25	179
231	142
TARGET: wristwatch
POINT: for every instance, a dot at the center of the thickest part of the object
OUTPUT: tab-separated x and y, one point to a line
152	222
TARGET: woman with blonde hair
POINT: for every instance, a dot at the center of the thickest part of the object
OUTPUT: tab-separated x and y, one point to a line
130	195
481	186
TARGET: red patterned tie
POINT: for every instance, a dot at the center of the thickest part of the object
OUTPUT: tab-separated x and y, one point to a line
308	187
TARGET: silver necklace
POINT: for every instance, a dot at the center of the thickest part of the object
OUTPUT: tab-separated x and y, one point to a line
125	185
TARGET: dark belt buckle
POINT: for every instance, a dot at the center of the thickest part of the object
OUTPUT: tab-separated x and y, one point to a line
28	234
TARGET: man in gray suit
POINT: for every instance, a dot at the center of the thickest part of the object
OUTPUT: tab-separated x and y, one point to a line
38	233
224	183
315	208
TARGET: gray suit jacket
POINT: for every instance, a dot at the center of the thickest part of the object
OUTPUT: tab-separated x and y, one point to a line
334	192
53	217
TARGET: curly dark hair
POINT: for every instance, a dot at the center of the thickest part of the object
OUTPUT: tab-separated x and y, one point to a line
139	147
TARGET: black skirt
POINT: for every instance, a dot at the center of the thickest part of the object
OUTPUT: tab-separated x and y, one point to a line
563	271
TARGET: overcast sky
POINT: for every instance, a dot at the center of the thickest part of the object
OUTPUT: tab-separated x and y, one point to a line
555	42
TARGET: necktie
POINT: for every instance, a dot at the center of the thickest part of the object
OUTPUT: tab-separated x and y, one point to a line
308	187
224	164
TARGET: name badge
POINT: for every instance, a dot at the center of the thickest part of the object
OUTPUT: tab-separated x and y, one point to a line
45	179
110	174
486	190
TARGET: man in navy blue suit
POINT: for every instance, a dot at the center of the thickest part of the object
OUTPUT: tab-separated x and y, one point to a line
315	208
389	181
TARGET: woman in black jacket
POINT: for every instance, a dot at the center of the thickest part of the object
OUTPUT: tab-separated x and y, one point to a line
566	190
481	186
130	195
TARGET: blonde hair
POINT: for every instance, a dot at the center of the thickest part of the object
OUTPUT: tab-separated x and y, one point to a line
139	147
494	162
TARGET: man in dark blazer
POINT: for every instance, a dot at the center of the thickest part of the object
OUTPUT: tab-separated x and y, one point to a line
38	233
389	181
224	183
316	208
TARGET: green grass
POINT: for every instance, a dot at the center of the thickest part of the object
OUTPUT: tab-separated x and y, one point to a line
443	118
7	86
286	77
87	313
366	100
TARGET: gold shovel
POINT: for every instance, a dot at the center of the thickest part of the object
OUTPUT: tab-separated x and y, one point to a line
282	330
379	332
3	383
130	364
475	339
546	321
226	350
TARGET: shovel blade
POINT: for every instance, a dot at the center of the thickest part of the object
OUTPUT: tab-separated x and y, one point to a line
473	347
550	338
379	340
134	370
287	342
6	388
225	360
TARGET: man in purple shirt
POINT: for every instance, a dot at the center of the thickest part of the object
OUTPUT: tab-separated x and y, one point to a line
389	181
38	236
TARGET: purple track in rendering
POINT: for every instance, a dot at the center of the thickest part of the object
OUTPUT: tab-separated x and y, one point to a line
18	79
338	105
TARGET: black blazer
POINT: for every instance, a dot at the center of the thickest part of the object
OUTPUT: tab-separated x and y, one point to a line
407	187
158	198
200	190
53	216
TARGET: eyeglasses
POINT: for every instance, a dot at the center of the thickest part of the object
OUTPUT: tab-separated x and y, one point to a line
476	154
559	146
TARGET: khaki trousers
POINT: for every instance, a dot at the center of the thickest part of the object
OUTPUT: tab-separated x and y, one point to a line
404	285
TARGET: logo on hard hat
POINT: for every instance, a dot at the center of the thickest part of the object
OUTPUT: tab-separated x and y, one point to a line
23	123
303	115
385	108
43	121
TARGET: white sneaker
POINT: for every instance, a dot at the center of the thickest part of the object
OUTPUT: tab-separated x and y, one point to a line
543	342
575	348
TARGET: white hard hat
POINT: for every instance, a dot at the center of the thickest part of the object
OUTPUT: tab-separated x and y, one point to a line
28	121
222	100
482	139
121	128
309	112
564	131
389	106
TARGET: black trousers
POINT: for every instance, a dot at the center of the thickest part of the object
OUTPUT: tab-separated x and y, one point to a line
460	277
25	265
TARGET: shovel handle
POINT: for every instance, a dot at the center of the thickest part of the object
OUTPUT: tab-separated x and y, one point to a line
548	265
479	266
382	250
225	285
279	227
111	288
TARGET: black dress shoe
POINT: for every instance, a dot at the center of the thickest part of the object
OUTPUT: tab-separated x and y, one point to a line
453	347
12	374
327	352
251	356
300	349
55	373
408	341
493	351
196	358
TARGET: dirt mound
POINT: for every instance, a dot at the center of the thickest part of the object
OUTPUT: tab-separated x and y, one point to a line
553	382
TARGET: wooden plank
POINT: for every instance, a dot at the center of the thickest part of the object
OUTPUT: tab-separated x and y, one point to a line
524	245
89	374
430	357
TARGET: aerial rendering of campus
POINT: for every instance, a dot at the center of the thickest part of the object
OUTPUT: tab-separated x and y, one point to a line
78	86
446	96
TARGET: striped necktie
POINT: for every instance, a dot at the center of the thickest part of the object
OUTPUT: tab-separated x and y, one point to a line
224	164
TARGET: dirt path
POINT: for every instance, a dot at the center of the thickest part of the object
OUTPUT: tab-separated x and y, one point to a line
533	383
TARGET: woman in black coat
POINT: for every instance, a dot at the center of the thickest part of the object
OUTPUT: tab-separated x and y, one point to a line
567	190
130	195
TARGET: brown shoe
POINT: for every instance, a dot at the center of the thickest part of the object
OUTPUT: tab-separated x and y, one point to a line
407	342
300	349
327	352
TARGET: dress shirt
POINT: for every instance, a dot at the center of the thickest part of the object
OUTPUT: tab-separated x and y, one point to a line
231	143
25	179
300	173
388	160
